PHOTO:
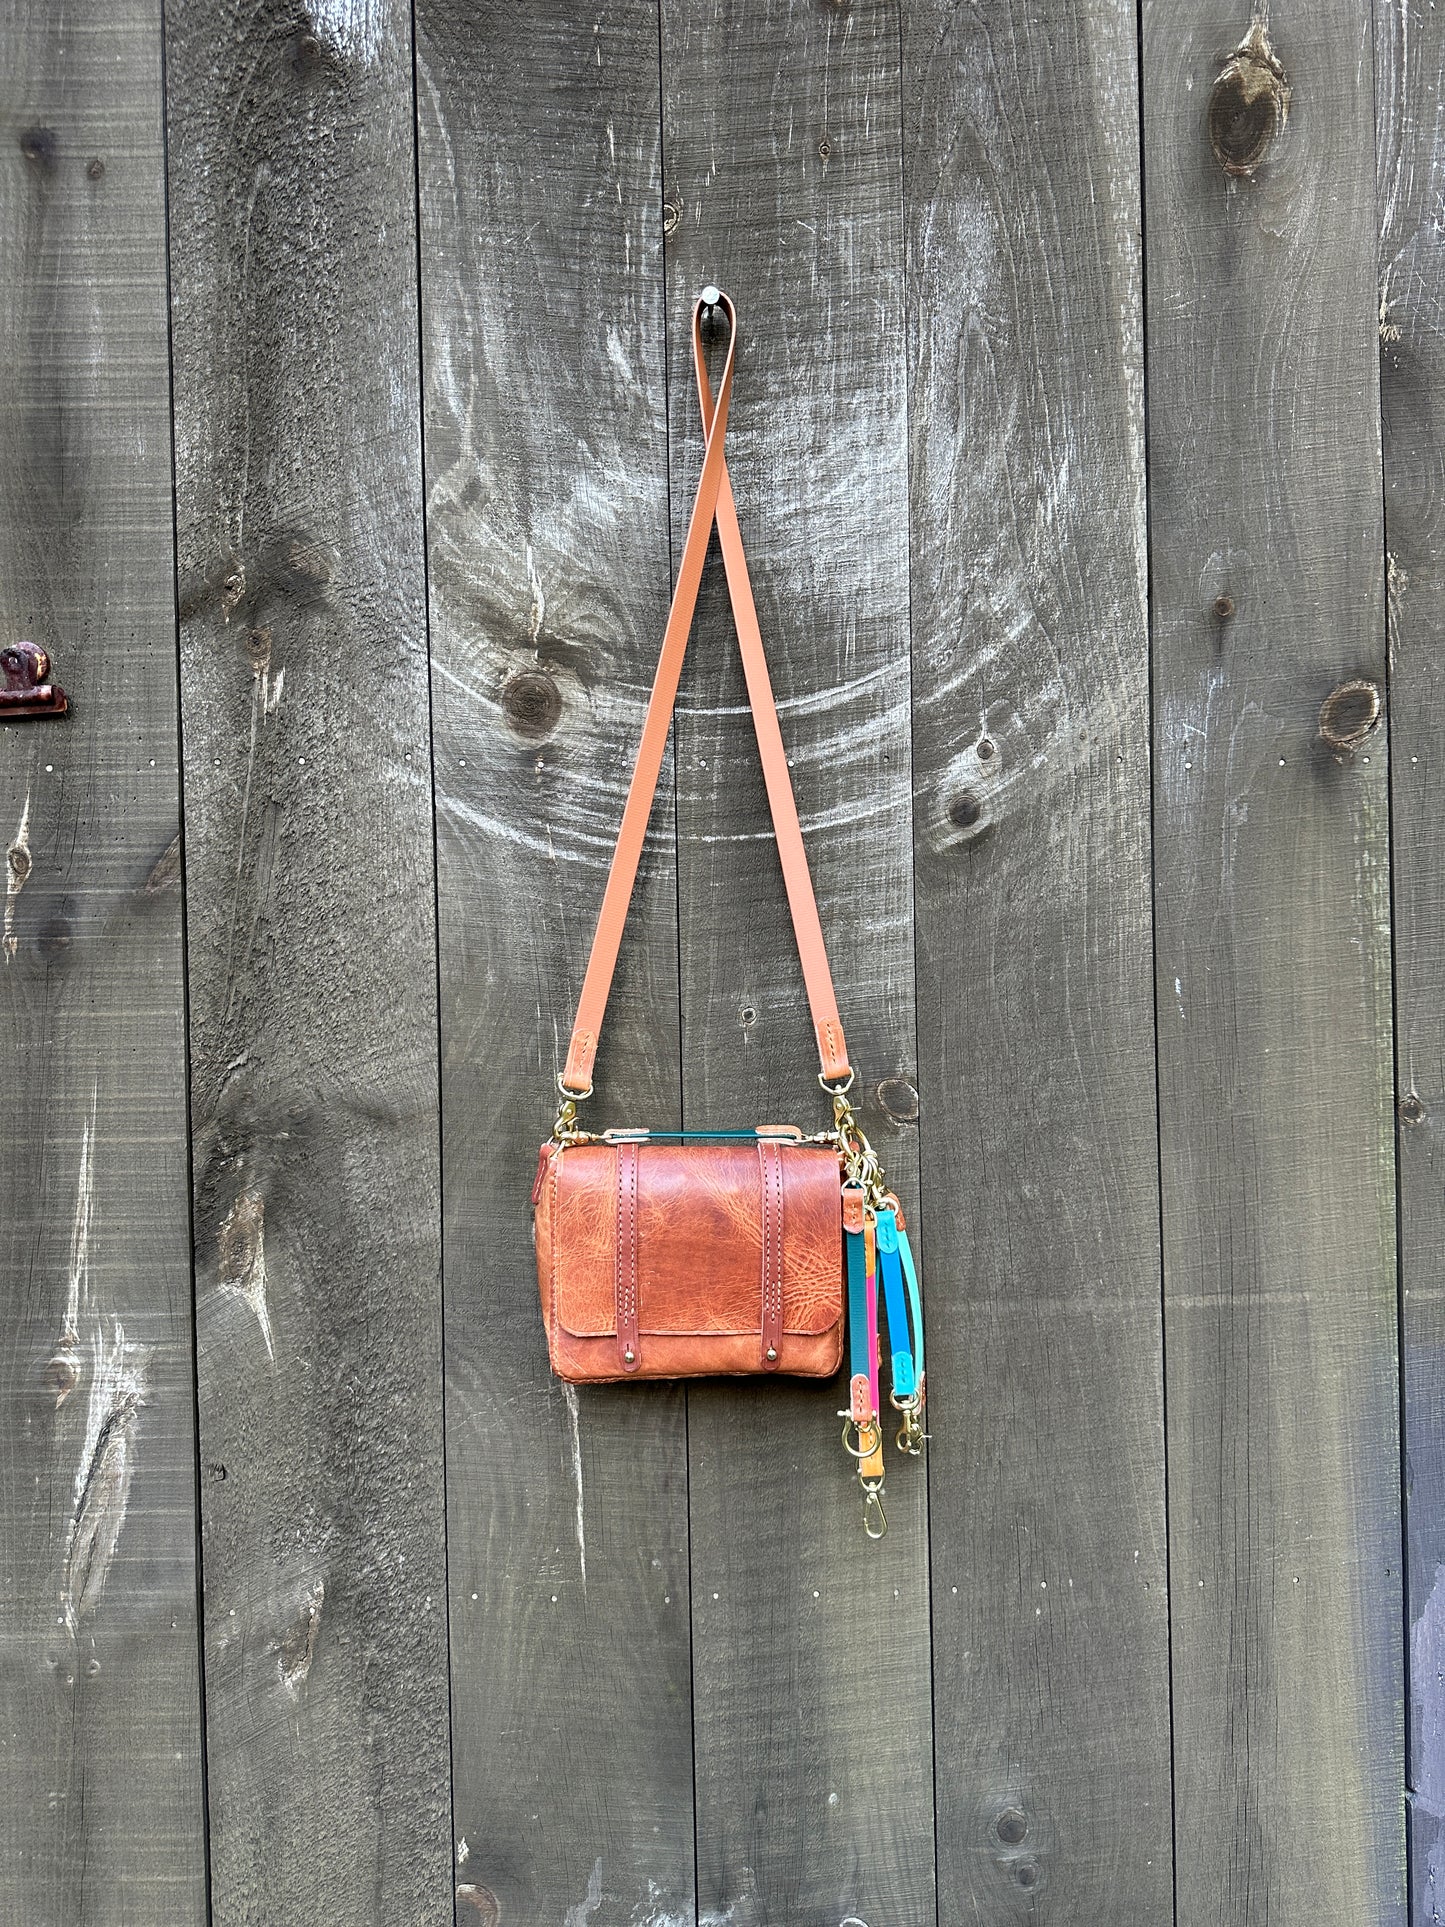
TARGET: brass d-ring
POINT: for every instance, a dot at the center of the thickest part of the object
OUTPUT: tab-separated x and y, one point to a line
869	1436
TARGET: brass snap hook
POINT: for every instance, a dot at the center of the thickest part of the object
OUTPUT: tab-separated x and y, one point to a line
875	1522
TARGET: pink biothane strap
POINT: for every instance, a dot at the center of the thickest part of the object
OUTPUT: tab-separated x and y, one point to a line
714	501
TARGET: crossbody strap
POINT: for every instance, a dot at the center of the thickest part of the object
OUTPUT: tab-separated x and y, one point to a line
714	501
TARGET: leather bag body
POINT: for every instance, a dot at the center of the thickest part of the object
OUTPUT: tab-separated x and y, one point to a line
663	1260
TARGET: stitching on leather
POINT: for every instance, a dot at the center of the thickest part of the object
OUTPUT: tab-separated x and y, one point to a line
775	1279
771	1157
626	1266
766	1176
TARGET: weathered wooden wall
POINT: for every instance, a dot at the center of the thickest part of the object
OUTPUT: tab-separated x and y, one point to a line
349	437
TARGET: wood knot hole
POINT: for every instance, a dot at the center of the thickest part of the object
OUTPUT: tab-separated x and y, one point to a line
532	703
1248	105
897	1097
1011	1826
96	170
965	810
487	1907
1349	713
1412	1109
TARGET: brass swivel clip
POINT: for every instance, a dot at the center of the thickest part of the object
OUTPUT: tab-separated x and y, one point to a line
564	1129
911	1435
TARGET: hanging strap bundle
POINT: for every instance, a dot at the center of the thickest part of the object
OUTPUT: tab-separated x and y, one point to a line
684	1253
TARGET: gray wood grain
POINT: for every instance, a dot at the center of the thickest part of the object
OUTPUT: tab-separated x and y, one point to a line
1410	143
312	960
101	1816
810	1644
1031	760
547	491
1273	929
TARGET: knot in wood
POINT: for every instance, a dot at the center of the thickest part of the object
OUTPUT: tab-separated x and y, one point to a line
1248	105
532	703
1349	713
487	1908
899	1100
1011	1826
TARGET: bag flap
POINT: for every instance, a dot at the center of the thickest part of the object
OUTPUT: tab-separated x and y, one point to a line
699	1230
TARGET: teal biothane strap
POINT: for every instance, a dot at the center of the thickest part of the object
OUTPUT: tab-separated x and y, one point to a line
902	1373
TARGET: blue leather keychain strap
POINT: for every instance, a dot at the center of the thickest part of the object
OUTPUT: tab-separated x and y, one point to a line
903	1372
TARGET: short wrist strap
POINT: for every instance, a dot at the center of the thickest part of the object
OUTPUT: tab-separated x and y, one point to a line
714	501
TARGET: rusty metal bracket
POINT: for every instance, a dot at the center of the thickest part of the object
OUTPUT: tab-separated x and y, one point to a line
28	690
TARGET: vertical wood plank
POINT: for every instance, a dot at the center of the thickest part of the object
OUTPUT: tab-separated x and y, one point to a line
547	491
100	1807
1410	143
1273	924
312	959
811	1646
1031	753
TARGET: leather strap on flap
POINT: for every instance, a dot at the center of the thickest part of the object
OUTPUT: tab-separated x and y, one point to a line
770	1160
629	1344
714	500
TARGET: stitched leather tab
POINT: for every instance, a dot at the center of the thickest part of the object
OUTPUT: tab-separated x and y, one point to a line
860	1406
770	1162
629	1344
852	1208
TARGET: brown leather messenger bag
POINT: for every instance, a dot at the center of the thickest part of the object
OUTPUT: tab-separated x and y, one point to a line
683	1254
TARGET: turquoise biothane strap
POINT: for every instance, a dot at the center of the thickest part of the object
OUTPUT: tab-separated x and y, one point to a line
903	1373
915	1304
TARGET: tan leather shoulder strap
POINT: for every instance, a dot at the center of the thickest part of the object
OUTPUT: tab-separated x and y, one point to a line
714	500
